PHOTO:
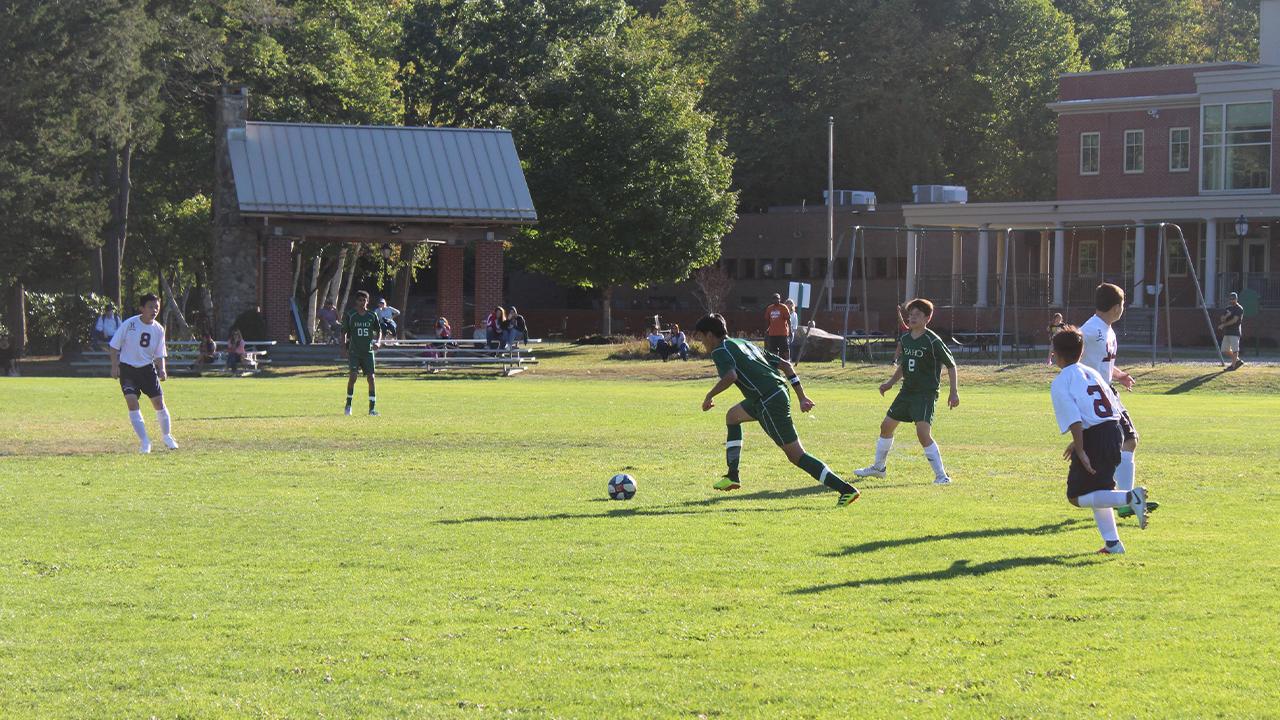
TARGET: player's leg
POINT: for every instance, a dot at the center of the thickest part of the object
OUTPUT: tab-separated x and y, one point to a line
351	386
884	443
129	387
1126	471
166	423
733	420
932	453
819	471
373	396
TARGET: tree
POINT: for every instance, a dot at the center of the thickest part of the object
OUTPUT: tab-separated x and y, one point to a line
631	190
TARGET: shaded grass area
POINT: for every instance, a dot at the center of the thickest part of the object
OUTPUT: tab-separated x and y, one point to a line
457	558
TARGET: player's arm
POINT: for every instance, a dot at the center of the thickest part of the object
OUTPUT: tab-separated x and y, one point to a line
1122	377
1077	446
161	373
724	383
789	372
897	371
115	361
954	376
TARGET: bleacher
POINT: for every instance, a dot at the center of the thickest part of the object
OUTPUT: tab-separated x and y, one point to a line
436	354
183	359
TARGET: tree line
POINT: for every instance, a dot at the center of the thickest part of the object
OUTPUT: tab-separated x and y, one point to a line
643	125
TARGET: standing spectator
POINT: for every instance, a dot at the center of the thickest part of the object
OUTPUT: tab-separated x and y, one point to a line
678	342
778	335
1231	323
8	358
329	326
519	329
105	327
794	319
236	351
493	328
387	316
1056	325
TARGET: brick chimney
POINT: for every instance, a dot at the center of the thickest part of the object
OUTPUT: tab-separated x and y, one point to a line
1269	32
235	251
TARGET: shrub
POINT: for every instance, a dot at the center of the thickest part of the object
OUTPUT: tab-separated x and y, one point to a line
604	340
59	320
639	350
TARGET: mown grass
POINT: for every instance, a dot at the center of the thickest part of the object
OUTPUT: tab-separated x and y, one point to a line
456	557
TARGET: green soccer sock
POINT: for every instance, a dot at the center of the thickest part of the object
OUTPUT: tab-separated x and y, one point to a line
733	449
820	472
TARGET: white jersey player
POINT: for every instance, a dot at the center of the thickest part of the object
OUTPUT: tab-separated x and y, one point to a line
1085	406
138	355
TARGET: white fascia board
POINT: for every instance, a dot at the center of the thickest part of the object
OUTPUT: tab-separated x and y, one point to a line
1144	102
1255	79
1040	214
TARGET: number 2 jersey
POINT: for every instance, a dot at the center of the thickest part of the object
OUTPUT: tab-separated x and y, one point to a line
1080	395
139	343
922	361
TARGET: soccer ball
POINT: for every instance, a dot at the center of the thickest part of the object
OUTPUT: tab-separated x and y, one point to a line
622	487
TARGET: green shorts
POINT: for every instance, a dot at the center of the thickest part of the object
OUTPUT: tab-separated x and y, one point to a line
913	407
360	361
774	416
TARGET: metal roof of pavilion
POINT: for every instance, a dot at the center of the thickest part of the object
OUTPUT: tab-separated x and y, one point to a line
384	172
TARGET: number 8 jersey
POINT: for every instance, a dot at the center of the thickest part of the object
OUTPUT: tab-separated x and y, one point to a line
139	343
1080	395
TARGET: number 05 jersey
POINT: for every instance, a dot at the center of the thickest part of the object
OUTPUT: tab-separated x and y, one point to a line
139	343
1080	395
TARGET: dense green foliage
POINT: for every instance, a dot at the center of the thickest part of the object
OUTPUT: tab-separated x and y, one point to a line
456	558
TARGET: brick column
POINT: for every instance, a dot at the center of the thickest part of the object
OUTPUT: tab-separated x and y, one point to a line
488	277
277	279
448	261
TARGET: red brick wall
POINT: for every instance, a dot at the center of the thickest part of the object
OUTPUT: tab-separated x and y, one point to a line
488	278
1134	83
448	262
1111	181
277	280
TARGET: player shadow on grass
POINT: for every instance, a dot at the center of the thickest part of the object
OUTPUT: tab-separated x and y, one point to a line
1047	529
616	513
1194	382
959	568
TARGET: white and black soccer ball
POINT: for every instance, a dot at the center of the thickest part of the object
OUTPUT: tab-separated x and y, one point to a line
622	487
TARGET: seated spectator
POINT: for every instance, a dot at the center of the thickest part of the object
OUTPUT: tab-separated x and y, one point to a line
8	357
330	328
493	326
519	331
658	344
443	330
678	342
105	327
208	350
388	316
236	351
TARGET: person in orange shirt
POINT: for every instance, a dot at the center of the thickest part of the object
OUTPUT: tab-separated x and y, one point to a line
778	336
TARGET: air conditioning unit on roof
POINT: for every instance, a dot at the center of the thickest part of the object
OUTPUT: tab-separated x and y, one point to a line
930	194
852	197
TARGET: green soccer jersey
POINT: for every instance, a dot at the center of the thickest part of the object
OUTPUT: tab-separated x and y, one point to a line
922	361
361	330
758	376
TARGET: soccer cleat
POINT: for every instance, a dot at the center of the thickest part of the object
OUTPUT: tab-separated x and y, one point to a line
727	483
373	412
347	411
942	480
145	447
870	471
848	498
1138	501
170	443
1125	511
1117	549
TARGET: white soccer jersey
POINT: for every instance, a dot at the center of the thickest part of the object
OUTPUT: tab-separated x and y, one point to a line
1099	347
138	343
1080	395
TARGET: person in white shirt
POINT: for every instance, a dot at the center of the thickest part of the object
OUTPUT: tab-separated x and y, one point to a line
1100	354
105	327
387	315
1085	406
138	360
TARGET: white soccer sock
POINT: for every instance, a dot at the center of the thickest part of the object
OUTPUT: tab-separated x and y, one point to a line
1125	471
139	427
1106	520
883	445
1104	499
934	456
163	416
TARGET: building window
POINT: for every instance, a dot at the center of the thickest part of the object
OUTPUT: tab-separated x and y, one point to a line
881	265
1235	147
1088	258
1179	149
748	268
1133	160
766	268
1089	155
730	267
1177	259
784	267
802	268
820	268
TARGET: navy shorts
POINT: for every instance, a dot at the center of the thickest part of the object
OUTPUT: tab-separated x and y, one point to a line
140	380
1102	445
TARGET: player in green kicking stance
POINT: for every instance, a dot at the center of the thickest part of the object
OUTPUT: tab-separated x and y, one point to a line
763	378
362	334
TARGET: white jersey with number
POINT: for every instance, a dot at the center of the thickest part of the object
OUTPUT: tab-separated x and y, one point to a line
1080	395
1099	347
138	343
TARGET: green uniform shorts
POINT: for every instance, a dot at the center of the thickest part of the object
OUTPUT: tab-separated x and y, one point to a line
774	416
913	407
360	361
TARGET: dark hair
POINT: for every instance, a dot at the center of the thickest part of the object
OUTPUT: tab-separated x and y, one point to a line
712	324
1107	296
147	298
363	294
1068	344
922	305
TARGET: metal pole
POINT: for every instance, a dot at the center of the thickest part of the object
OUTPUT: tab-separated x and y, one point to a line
831	209
866	310
1168	302
1004	296
848	292
1213	332
1155	318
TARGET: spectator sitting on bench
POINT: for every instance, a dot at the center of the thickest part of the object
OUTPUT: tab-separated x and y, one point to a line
678	342
8	357
208	350
519	331
236	351
330	328
387	315
658	344
493	326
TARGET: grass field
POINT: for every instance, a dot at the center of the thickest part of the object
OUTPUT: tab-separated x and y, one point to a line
456	557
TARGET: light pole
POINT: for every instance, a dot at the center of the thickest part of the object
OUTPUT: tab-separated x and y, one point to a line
1242	229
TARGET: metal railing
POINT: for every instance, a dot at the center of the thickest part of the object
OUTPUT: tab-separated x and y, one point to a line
1266	285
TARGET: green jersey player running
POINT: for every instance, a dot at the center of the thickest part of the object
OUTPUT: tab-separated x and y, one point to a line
763	378
919	362
361	336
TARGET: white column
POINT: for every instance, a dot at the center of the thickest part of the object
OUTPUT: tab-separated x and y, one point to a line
1139	294
957	266
912	239
984	262
1211	262
1059	266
